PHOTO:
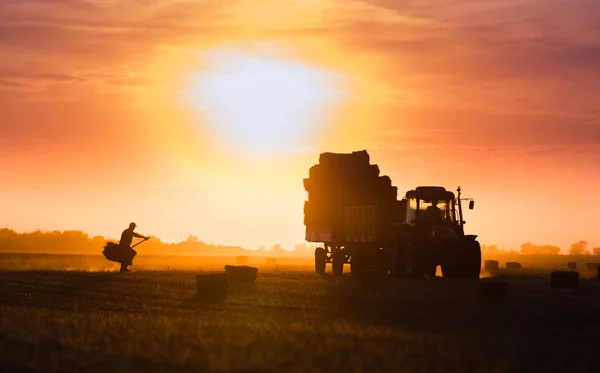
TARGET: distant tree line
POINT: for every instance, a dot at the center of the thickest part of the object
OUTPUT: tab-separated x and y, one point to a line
77	242
527	248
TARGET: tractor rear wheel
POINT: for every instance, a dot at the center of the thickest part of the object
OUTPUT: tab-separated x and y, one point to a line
320	260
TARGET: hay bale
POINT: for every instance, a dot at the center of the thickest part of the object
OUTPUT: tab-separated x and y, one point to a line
271	261
592	267
564	279
513	265
241	273
241	260
491	266
492	290
372	279
572	265
212	286
115	253
356	158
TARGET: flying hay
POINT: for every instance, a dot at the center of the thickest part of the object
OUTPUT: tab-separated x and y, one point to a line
241	273
115	253
564	279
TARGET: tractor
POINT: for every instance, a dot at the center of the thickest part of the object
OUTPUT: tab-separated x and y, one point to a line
431	233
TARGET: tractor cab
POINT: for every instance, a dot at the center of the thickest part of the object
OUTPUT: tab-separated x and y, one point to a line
434	204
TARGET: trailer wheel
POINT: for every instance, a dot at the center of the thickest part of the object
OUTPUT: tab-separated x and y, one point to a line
337	262
320	260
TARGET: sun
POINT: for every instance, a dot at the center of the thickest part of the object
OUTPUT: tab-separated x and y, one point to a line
261	101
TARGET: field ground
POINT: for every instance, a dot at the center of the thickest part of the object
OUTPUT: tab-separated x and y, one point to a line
292	320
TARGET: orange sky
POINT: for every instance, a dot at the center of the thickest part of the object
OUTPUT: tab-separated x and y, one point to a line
202	117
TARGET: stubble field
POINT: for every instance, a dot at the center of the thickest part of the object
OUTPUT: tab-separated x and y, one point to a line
291	320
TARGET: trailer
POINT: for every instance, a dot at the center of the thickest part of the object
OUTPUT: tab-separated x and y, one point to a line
349	213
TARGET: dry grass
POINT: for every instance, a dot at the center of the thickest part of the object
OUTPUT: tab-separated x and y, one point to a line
291	320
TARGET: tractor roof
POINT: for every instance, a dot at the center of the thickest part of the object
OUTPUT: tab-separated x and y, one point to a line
430	192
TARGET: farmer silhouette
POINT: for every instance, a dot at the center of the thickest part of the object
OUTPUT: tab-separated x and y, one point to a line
433	214
125	244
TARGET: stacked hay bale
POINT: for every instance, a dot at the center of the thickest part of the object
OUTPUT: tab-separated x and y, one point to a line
343	180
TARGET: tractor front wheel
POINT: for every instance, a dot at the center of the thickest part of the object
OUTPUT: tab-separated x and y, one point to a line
464	261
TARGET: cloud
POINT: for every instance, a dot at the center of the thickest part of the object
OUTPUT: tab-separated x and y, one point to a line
96	34
526	70
12	84
543	54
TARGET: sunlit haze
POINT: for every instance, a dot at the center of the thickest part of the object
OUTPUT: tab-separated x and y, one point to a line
255	102
202	118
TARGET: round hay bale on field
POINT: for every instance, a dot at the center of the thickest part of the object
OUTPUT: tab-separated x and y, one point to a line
513	265
212	286
564	279
492	290
491	266
241	273
572	265
592	267
271	261
241	260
